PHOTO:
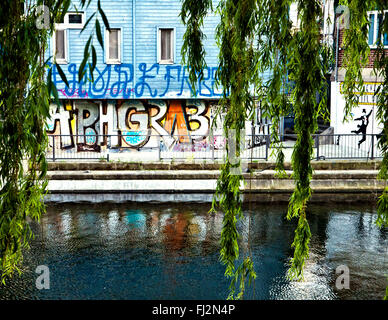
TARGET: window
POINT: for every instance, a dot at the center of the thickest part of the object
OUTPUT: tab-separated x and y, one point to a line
72	20
376	20
60	46
113	46
75	18
166	45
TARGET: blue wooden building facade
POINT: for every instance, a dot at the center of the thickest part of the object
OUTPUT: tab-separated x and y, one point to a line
146	62
141	95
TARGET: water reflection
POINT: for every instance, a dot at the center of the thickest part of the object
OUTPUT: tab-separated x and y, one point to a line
171	252
136	219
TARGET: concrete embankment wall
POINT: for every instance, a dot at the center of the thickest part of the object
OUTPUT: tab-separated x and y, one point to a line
168	165
196	182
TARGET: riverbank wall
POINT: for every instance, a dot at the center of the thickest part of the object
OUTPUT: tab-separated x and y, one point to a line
94	182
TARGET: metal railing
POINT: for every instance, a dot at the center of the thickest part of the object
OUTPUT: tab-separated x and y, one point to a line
342	146
347	146
143	147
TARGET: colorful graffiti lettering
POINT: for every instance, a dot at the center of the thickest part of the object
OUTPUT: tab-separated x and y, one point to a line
117	82
138	123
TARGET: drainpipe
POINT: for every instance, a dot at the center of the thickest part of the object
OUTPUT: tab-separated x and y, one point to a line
134	44
336	73
336	51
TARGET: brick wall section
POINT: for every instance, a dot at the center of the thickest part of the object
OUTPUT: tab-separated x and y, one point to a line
371	58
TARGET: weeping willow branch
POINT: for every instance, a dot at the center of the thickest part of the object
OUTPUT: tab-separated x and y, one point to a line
356	51
356	54
308	73
24	108
381	69
234	33
192	15
293	61
273	43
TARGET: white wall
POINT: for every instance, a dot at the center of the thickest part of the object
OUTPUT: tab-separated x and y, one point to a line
367	102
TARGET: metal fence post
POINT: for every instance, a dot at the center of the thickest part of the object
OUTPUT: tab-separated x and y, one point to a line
159	147
108	146
266	147
317	145
373	147
212	143
53	147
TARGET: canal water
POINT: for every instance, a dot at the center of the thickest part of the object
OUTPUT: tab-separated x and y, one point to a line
160	251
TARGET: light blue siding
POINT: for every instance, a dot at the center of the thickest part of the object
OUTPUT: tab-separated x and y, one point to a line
139	75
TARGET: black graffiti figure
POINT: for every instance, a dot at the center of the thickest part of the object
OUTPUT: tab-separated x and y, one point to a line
363	126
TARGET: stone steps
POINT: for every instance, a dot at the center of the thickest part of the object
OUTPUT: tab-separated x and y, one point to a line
201	175
263	165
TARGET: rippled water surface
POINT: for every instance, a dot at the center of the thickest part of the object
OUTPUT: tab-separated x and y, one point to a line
160	251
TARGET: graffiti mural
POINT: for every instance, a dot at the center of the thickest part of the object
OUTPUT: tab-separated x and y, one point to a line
362	127
132	124
119	82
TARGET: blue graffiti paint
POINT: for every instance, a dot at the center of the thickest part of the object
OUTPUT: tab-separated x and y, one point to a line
185	80
143	80
168	77
116	81
100	86
120	88
135	137
90	136
202	84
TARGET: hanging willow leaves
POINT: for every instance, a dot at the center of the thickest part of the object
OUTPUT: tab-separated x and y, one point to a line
307	71
381	69
297	63
88	21
192	15
355	58
273	44
356	51
25	96
235	34
99	34
24	106
103	16
61	74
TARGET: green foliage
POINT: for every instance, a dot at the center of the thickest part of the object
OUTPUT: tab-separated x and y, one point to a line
24	106
235	37
382	209
25	96
255	36
244	271
280	171
381	69
273	49
356	53
301	245
307	71
192	15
